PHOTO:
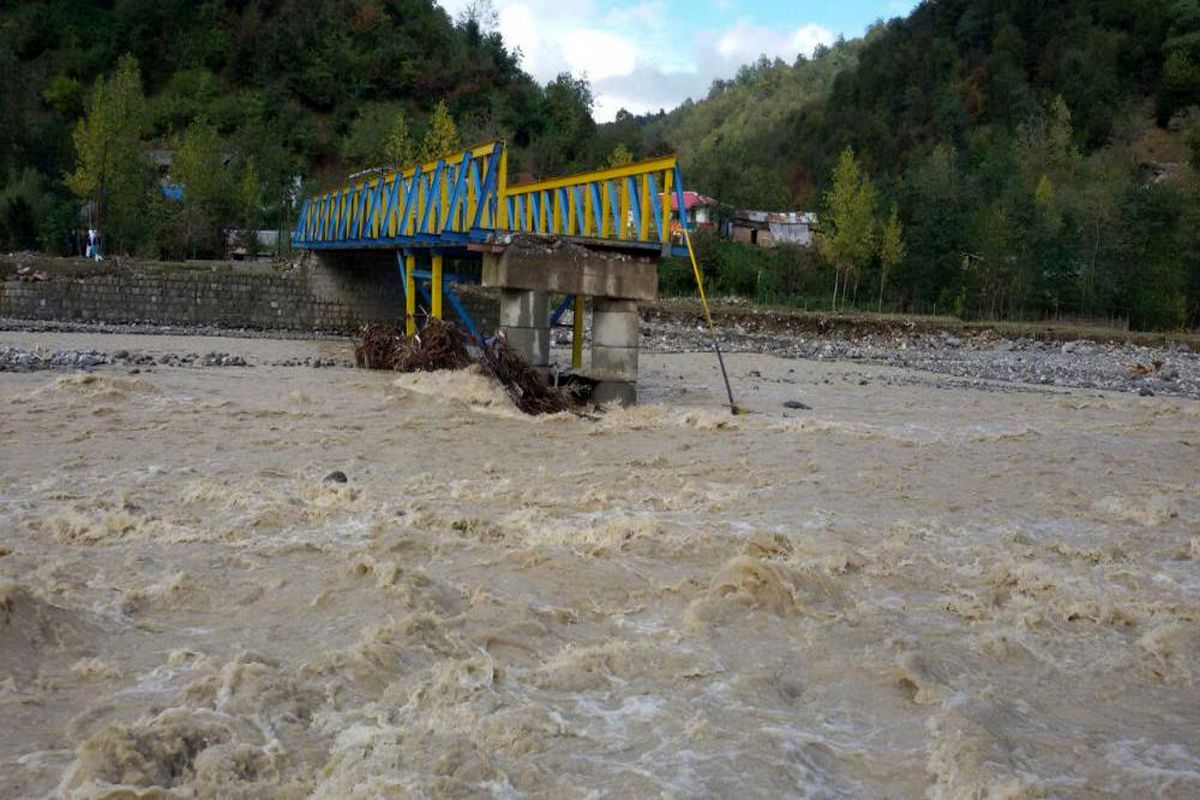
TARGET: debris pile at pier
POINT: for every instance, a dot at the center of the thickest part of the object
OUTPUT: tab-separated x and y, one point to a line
442	345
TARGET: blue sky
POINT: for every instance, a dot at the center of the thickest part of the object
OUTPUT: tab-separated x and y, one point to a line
655	53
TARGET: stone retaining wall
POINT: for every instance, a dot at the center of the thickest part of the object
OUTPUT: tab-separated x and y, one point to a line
309	295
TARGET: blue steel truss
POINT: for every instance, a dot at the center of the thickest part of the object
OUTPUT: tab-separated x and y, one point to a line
450	202
464	199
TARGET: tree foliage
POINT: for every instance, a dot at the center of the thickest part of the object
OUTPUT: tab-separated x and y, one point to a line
847	236
442	136
208	196
111	173
891	248
399	150
1024	145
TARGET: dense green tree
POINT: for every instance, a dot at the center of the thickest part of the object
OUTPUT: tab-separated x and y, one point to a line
847	237
379	137
620	156
566	126
111	171
1155	289
441	138
399	149
891	248
208	193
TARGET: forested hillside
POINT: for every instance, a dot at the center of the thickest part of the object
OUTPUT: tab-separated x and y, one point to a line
269	89
1037	152
1033	157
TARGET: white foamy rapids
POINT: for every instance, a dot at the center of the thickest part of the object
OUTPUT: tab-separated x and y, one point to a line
905	592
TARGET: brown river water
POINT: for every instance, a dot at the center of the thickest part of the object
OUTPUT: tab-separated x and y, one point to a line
909	591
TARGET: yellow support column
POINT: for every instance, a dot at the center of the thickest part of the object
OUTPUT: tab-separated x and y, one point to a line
435	290
577	334
644	207
501	220
410	296
664	235
623	231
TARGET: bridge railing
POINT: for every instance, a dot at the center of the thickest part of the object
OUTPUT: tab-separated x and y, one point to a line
627	203
451	200
465	197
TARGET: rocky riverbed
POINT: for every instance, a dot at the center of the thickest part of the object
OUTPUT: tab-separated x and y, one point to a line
982	359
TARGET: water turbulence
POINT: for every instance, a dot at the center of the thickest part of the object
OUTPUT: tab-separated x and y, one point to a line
886	598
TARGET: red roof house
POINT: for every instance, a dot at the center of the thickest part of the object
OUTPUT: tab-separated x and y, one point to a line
700	209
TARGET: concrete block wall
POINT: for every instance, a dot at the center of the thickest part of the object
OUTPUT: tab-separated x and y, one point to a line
525	320
316	294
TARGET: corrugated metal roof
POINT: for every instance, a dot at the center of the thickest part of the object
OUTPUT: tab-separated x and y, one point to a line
778	217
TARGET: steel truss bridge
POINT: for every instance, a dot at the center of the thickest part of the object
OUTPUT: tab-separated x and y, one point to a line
462	205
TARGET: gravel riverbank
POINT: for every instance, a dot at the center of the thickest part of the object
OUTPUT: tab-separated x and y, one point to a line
983	358
971	359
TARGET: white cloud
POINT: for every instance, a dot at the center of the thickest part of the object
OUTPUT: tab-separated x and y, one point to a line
598	54
519	28
637	56
746	41
807	38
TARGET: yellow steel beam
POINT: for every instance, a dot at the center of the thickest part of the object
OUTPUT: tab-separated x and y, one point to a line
410	296
623	230
501	220
637	168
668	185
571	215
435	291
644	208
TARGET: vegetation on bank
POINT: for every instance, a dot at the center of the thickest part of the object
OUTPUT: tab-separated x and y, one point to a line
998	158
252	95
1041	154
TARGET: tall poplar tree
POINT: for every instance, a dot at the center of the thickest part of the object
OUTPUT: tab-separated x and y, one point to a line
847	236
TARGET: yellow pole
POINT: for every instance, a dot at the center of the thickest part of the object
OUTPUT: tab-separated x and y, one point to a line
410	296
436	289
707	314
577	334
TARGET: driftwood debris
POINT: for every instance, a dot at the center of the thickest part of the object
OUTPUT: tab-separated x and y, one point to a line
443	345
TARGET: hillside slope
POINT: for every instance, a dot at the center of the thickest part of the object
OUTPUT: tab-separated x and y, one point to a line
1035	151
307	88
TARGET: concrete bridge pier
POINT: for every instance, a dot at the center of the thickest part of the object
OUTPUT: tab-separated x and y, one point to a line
525	321
615	350
615	280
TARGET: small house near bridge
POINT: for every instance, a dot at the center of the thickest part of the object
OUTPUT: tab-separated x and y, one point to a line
771	228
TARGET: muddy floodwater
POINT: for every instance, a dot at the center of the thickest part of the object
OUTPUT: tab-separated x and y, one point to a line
909	590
